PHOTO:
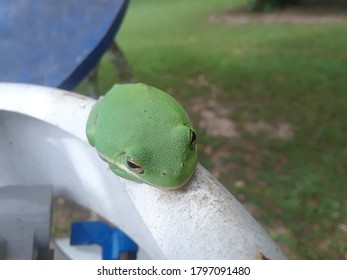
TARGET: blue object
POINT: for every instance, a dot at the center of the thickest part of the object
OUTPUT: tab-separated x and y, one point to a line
112	240
55	43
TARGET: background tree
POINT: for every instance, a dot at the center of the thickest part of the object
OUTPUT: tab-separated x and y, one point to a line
269	5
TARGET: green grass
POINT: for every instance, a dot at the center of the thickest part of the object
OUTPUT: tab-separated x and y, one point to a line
275	73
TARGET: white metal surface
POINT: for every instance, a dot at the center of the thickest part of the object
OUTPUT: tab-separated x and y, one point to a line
42	141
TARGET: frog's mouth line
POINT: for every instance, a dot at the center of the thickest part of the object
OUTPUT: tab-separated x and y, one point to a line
125	169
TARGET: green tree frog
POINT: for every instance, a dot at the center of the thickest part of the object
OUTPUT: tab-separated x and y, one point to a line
144	135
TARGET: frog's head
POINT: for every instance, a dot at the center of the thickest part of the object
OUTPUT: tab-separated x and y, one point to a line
144	135
166	161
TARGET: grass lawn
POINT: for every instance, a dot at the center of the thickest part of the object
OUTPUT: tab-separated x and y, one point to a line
269	101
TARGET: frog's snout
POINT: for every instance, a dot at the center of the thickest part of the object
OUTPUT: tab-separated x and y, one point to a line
175	179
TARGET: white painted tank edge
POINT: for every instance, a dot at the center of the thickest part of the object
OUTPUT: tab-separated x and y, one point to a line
202	220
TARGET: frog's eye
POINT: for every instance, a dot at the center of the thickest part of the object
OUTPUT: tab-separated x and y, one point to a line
192	139
133	165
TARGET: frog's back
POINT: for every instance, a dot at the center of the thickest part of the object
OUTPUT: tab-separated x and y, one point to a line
139	98
135	114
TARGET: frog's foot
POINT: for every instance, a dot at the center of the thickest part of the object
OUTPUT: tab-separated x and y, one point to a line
91	123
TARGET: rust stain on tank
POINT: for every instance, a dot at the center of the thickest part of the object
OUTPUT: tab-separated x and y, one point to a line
262	256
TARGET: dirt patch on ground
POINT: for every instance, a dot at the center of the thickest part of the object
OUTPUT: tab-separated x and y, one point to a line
214	118
65	212
214	115
279	131
295	15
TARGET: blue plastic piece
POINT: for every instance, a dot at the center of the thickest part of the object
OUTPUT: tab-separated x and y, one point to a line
112	240
55	43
